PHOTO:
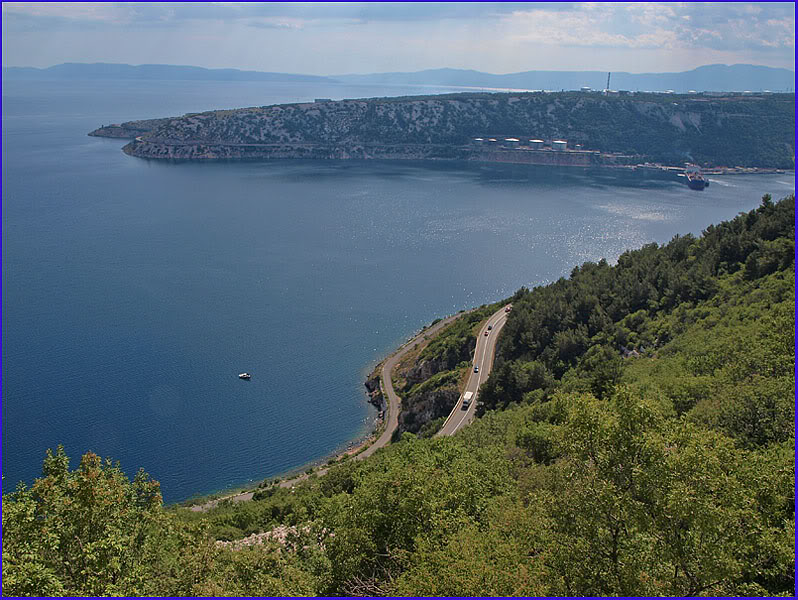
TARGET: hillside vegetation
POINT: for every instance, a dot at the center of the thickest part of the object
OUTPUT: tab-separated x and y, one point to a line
637	439
752	131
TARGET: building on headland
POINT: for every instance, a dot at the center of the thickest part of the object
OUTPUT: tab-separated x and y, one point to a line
322	100
478	141
585	88
512	142
536	144
559	145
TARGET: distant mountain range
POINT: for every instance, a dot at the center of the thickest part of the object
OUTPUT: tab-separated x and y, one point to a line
707	78
156	72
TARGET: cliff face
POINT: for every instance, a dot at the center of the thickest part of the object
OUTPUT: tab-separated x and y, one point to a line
375	392
430	400
425	367
427	407
727	130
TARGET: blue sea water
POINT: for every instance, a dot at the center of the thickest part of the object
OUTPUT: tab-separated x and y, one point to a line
134	292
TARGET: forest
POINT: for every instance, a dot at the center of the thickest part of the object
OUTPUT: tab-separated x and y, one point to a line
636	438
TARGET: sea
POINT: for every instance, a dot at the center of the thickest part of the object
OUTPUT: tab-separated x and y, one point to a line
134	292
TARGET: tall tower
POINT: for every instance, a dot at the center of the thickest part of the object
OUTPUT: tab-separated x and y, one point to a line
607	91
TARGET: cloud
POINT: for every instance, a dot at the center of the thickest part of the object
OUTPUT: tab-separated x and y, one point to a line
368	37
660	25
283	25
79	14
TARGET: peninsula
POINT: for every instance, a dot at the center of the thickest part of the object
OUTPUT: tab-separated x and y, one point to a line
562	128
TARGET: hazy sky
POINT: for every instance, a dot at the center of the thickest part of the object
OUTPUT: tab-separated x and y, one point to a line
353	37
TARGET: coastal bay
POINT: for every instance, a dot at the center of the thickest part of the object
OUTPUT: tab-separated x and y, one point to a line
137	291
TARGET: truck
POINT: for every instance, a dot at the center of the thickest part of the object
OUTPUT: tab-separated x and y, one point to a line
467	399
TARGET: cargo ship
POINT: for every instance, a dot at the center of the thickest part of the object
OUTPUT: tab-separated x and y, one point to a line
695	179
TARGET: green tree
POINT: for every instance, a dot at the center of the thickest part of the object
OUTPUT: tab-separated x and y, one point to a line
86	532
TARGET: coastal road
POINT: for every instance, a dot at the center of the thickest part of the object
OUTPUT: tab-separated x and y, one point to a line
392	400
484	354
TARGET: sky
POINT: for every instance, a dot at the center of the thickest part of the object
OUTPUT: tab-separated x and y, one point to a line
354	37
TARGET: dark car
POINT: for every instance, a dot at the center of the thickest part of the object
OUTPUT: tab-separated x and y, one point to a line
476	369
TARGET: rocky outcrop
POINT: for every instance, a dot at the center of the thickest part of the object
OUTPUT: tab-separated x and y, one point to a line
287	536
374	391
419	409
421	371
426	368
445	360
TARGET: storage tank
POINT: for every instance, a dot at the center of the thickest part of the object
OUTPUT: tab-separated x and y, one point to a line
536	144
559	145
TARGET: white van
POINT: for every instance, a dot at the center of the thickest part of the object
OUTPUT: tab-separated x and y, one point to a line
467	399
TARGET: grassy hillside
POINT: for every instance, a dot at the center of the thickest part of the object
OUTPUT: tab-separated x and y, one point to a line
637	439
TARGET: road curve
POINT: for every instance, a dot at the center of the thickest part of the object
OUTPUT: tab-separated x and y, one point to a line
484	354
392	400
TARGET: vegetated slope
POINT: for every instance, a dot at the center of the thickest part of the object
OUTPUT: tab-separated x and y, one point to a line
431	383
668	472
726	131
585	324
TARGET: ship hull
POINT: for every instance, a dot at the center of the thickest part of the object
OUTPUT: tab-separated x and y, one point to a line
697	184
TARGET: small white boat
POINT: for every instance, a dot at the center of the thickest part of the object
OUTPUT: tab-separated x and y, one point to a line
244	376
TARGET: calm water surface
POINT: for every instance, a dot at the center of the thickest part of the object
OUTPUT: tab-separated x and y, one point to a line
135	291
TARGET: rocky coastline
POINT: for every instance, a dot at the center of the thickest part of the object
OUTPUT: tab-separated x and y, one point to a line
143	146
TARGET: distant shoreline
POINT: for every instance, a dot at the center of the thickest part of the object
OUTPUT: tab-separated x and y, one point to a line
203	152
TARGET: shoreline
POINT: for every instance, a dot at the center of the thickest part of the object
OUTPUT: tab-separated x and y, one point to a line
352	448
172	151
299	473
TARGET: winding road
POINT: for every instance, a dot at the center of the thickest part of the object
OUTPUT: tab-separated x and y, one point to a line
393	401
484	353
